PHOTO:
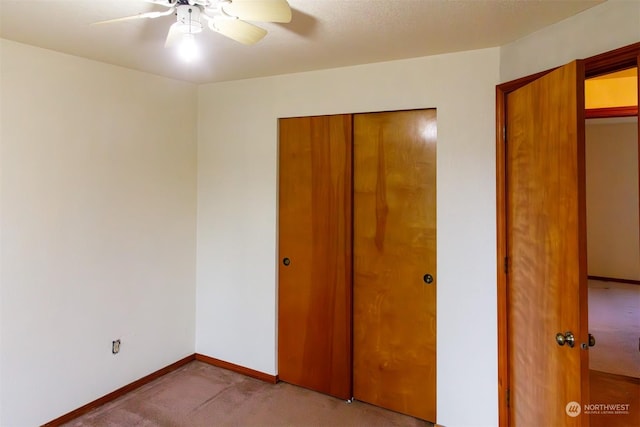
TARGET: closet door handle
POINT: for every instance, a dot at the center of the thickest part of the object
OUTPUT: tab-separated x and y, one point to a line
428	279
286	261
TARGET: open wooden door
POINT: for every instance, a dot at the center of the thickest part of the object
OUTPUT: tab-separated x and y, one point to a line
546	251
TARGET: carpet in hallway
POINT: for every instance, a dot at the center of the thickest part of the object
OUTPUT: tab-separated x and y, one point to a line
198	394
615	389
614	320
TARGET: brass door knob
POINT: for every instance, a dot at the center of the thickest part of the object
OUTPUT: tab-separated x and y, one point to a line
566	338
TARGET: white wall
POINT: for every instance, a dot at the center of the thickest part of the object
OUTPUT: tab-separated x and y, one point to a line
237	184
98	206
608	26
613	228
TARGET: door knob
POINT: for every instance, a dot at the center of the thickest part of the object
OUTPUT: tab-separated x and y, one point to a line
286	261
428	279
566	338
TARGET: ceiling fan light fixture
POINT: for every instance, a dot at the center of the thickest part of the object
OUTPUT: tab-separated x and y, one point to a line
188	48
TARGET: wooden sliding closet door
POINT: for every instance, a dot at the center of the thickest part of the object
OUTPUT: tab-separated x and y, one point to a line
314	235
394	251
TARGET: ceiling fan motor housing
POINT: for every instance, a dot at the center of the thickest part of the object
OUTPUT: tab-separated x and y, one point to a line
189	18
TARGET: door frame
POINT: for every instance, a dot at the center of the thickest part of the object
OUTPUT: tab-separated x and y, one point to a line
615	60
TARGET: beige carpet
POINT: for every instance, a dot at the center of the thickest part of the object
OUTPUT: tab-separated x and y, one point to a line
614	320
198	394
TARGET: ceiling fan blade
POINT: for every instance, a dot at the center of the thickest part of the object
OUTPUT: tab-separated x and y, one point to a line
173	36
259	10
238	30
138	16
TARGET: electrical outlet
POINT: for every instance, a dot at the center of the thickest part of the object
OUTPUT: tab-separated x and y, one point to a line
115	346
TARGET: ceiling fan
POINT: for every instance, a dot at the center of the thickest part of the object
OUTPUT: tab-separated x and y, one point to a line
227	17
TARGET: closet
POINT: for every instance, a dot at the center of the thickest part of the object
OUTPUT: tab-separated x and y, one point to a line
357	257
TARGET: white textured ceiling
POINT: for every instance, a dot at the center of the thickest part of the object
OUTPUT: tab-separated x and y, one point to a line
322	34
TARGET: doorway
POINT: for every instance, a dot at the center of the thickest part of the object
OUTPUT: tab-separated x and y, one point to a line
542	243
613	241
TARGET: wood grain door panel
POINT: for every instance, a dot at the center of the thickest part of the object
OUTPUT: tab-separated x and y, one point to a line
314	233
394	247
546	248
